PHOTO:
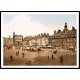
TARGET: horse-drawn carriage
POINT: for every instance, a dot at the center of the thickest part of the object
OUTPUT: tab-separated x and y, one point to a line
55	51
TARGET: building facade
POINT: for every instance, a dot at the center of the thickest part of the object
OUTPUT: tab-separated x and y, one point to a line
42	41
33	42
63	39
7	41
38	42
17	39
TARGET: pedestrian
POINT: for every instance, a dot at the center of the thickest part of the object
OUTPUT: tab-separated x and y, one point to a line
52	57
16	53
50	54
22	54
48	57
61	59
11	58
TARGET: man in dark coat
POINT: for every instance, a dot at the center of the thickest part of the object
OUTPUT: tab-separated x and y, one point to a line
61	59
11	58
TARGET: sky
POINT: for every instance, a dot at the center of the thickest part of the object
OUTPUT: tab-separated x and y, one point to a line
27	24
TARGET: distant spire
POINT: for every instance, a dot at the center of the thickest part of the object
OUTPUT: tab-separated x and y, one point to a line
13	33
65	23
65	27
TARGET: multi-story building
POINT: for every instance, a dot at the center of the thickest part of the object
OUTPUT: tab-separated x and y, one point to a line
17	39
7	41
42	42
38	41
33	42
63	39
26	40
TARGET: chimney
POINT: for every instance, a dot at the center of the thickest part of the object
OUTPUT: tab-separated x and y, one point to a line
73	28
58	31
54	31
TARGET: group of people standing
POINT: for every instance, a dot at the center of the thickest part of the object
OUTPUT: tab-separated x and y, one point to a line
17	54
51	56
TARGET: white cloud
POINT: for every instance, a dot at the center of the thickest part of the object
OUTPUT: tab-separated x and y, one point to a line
22	24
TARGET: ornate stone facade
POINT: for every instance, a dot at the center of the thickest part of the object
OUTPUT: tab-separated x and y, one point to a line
63	39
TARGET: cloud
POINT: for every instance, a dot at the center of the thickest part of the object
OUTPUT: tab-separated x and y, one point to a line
22	24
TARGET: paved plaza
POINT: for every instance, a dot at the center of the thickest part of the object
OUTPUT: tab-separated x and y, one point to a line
38	58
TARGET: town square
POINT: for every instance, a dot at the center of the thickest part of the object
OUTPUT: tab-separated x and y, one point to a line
39	46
